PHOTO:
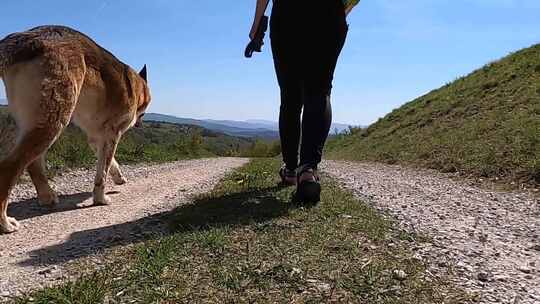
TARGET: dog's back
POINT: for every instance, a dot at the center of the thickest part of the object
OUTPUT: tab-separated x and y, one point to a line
39	41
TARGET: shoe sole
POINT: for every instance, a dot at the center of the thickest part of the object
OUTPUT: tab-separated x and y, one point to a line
309	192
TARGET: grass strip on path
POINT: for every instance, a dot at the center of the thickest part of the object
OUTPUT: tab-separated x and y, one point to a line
246	242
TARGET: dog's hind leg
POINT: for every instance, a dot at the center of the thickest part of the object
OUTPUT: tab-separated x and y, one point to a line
31	144
46	195
42	94
8	176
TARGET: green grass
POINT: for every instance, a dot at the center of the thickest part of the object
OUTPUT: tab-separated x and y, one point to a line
246	242
155	143
486	124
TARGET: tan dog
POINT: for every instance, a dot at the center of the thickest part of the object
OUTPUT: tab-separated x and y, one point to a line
55	74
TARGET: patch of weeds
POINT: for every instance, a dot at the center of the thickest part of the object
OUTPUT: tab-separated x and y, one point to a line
87	290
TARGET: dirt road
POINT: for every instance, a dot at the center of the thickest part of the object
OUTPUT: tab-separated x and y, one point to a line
49	240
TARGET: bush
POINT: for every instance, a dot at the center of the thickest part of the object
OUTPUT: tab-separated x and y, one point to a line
261	148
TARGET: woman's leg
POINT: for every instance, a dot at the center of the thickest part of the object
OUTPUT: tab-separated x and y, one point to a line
289	124
288	75
317	119
325	48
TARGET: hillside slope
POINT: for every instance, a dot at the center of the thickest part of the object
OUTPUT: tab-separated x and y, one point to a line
486	124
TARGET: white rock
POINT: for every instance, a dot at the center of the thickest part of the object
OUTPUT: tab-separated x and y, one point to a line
399	275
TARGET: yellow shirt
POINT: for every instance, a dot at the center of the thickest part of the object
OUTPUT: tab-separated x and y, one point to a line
349	4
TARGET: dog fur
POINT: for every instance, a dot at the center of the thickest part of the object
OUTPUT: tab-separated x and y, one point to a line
54	75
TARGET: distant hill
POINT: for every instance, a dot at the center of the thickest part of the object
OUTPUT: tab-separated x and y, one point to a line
3	101
268	124
263	122
265	129
245	124
486	124
226	128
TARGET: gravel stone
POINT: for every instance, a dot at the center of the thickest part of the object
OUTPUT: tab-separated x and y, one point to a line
483	276
399	275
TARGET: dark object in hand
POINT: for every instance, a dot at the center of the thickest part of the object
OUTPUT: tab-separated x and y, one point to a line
256	44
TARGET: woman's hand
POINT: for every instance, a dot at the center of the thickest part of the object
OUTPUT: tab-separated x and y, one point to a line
348	10
259	12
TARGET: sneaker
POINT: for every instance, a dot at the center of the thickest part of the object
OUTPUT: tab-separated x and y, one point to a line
288	177
309	187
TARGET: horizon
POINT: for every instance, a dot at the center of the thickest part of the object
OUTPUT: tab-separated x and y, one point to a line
395	51
250	120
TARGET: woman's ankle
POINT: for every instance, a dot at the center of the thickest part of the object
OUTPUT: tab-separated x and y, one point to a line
307	173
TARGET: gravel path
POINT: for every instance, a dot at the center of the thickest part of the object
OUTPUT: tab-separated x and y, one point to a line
490	239
49	240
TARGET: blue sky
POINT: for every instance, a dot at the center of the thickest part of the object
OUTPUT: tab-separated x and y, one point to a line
396	50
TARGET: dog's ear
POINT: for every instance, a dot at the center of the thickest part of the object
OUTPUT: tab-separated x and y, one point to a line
143	73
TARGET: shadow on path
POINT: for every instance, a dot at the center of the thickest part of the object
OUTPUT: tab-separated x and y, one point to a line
30	208
231	210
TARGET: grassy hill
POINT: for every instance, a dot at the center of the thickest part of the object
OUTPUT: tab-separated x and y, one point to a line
486	124
156	142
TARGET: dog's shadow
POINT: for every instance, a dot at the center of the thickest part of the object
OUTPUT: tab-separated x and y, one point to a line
29	208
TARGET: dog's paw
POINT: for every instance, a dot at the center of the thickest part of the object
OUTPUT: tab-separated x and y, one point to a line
48	200
102	201
119	180
9	225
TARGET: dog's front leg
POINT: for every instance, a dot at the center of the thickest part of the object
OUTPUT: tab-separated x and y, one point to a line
115	171
105	150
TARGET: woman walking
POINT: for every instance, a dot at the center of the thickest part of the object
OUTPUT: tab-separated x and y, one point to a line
307	37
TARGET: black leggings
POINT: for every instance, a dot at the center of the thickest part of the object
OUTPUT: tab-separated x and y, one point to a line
307	38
